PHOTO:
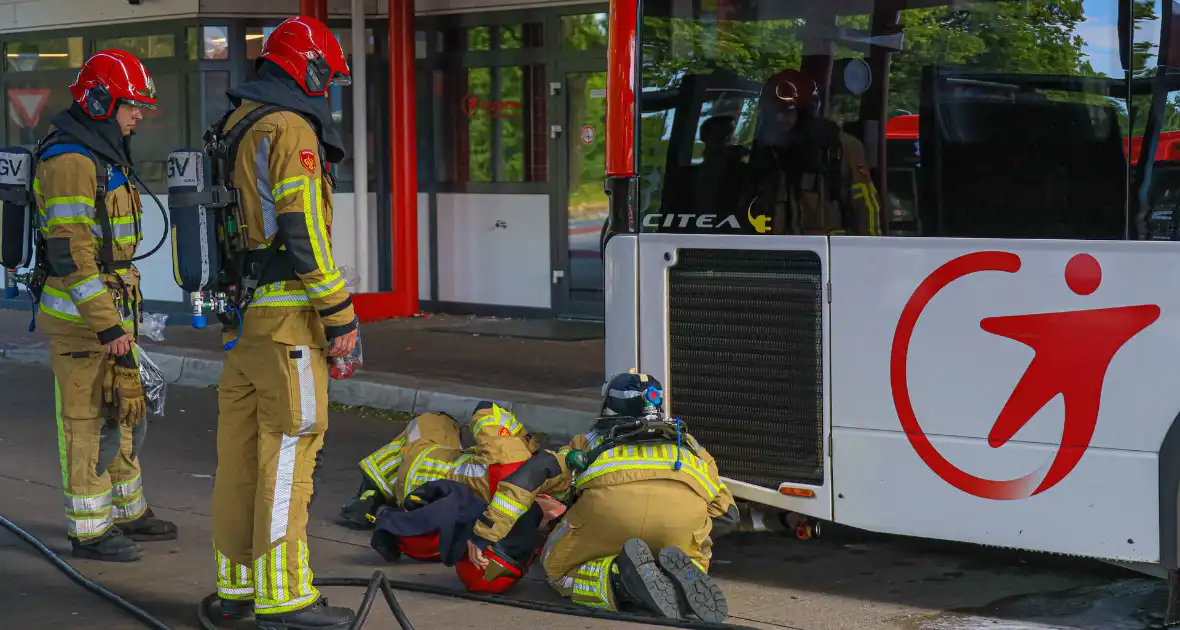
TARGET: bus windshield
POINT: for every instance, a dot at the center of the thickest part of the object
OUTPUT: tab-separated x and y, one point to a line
1009	118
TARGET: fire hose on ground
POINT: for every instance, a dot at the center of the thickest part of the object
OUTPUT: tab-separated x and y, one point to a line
378	584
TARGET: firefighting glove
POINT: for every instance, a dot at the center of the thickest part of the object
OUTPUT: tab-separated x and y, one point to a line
132	402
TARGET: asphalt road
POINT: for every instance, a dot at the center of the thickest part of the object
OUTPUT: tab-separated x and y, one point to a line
847	581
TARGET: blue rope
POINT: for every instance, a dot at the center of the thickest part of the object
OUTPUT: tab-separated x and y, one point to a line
233	342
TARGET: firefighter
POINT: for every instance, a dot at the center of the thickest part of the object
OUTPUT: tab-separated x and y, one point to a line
89	231
807	176
639	483
429	449
273	395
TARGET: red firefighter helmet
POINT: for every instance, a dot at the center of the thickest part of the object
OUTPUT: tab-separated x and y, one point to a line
110	78
791	89
508	572
309	52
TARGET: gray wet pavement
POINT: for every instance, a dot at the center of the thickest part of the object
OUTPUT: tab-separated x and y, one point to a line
847	581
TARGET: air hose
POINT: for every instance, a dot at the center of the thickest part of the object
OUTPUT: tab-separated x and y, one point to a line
378	584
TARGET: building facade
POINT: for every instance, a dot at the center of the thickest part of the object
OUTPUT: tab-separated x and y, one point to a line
510	105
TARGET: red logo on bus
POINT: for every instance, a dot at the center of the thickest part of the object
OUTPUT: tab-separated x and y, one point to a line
1073	351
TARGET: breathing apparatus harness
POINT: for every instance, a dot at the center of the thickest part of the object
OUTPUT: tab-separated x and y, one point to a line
107	176
229	272
653	427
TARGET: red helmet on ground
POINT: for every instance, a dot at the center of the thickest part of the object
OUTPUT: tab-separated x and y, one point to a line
110	78
309	52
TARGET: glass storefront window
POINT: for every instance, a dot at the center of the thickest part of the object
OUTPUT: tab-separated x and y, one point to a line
489	38
584	32
1000	118
30	101
161	130
492	124
142	46
43	54
215	43
255	38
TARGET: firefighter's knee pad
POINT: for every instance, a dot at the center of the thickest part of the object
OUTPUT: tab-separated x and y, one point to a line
502	572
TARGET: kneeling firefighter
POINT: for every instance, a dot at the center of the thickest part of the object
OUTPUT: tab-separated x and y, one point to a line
427	467
288	311
88	230
638	481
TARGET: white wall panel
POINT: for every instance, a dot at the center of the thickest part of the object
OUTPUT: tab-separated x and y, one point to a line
479	263
155	272
23	15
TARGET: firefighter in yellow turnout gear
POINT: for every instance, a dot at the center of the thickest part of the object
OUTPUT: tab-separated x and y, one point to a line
273	397
430	448
639	482
89	224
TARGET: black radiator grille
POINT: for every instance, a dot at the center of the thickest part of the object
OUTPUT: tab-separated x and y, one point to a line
746	360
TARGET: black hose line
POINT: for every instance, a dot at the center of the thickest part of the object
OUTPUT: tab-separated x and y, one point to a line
378	584
83	581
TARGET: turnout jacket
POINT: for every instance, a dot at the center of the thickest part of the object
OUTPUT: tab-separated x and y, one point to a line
547	472
287	195
85	295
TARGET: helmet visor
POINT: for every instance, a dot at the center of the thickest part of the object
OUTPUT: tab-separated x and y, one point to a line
139	104
341	79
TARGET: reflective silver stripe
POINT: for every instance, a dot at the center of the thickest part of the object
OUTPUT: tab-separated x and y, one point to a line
130	511
89	527
326	288
263	606
507	506
307	398
284	481
60	304
235	592
126	489
291	298
88	504
123	231
630	393
86	290
58	211
469	469
262	178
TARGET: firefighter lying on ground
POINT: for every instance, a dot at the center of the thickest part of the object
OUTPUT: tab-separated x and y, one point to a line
90	220
637	482
805	175
430	449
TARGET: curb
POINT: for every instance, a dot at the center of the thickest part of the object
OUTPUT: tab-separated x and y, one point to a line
560	417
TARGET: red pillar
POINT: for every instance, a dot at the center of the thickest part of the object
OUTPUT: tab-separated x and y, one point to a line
403	158
317	9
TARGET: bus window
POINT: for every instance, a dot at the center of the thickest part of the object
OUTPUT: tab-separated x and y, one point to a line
998	118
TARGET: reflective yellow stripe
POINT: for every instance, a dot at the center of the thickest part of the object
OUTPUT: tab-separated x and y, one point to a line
288	186
661	458
499	417
59	305
592	584
86	289
234	581
425	469
507	506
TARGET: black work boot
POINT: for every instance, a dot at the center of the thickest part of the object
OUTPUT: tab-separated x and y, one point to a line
148	528
318	616
639	582
699	594
232	609
112	546
359	512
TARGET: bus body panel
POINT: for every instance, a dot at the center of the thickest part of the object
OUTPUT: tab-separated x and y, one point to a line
621	301
959	377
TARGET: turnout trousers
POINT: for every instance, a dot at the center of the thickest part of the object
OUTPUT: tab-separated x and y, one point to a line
273	413
100	472
580	553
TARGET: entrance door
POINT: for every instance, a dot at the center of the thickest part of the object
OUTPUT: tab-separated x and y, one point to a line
581	200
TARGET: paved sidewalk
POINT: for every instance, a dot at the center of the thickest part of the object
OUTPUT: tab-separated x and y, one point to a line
552	386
